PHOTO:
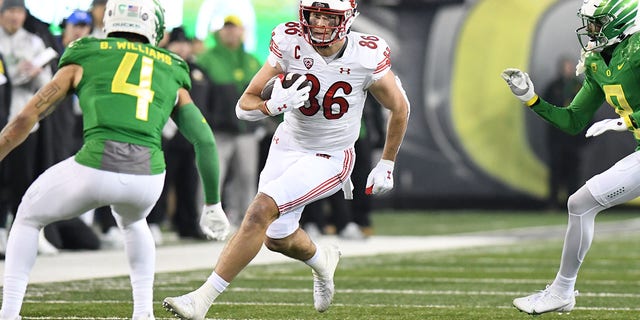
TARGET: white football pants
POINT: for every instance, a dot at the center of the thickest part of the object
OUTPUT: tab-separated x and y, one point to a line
67	190
617	185
295	177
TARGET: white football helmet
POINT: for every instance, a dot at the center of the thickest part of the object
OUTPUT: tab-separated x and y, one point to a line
345	10
142	17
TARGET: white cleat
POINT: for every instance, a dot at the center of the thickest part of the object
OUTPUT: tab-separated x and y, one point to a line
545	301
323	287
187	307
15	318
144	317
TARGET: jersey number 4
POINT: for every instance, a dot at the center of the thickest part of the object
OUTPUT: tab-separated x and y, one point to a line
142	91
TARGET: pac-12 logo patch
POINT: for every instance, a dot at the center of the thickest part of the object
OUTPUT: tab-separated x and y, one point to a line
308	62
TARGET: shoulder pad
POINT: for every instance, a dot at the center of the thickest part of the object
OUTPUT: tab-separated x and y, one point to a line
78	50
285	34
374	51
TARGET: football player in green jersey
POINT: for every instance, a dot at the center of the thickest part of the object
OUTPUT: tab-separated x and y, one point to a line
610	62
128	88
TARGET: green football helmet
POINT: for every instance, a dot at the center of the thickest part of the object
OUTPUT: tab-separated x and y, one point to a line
142	17
606	22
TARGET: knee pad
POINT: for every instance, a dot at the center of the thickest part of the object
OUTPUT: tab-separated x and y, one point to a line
582	202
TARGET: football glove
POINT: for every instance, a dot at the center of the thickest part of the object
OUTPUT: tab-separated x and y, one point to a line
600	127
214	223
519	83
287	99
380	180
580	67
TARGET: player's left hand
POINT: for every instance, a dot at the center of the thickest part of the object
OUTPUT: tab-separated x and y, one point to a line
580	67
519	83
380	180
602	126
214	223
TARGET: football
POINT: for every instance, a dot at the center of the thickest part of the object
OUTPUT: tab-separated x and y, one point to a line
287	80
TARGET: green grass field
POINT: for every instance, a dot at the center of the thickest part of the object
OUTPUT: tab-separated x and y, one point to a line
476	283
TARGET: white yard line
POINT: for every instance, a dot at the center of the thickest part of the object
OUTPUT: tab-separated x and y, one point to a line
68	266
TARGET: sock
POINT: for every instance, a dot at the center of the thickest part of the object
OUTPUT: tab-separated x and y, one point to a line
217	282
563	286
583	209
212	288
22	249
315	262
141	250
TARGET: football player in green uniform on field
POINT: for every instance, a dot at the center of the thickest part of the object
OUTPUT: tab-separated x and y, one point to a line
610	62
128	88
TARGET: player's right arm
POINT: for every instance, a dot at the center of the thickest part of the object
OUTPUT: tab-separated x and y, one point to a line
38	107
575	117
250	106
572	119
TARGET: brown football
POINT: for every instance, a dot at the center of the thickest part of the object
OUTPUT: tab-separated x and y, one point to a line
287	80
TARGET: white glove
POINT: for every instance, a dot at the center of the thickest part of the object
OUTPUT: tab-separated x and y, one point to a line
214	223
169	130
600	127
519	83
287	99
580	67
347	189
380	180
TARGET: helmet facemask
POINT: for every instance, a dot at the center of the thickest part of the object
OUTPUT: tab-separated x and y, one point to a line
592	34
323	25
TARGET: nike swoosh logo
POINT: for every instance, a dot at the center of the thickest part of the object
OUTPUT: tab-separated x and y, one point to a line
620	66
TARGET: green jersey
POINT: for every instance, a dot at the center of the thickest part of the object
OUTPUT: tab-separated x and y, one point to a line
127	93
617	82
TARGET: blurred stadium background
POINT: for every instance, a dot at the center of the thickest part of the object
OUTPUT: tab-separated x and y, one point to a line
470	144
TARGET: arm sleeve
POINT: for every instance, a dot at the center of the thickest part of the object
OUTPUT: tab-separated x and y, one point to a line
195	128
574	118
251	115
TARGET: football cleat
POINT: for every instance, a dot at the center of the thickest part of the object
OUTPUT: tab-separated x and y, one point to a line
545	301
144	317
187	307
323	287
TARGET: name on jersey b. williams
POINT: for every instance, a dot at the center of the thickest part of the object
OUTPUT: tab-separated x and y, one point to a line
139	47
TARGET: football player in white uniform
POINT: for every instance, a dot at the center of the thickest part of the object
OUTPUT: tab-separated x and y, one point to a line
311	155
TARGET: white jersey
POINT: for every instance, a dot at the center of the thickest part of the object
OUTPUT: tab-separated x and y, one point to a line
339	86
